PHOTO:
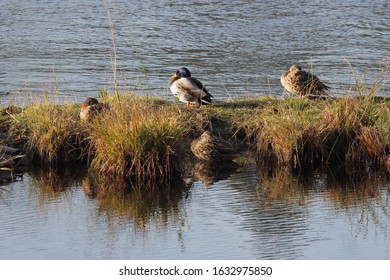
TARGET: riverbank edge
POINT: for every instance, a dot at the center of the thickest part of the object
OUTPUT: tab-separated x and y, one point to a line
144	138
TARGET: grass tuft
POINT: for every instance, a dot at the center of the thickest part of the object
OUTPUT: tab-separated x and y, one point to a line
303	132
53	132
138	139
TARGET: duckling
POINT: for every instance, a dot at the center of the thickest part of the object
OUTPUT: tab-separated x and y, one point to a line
211	148
90	108
188	89
297	81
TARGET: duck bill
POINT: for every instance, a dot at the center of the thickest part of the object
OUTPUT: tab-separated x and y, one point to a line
173	77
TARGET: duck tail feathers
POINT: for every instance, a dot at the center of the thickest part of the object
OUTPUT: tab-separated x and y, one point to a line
206	99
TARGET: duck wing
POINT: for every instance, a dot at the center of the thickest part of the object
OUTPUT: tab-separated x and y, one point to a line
194	88
200	86
188	86
294	82
312	83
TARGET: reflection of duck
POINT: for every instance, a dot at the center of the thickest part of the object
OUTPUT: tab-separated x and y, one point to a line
188	89
90	108
297	81
209	173
211	148
89	187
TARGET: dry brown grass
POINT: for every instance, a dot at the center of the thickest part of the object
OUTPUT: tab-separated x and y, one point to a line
53	132
139	139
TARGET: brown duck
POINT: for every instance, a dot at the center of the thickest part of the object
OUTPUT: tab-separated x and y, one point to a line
297	81
211	148
90	108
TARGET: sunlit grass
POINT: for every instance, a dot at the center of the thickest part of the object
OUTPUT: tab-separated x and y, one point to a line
139	138
53	132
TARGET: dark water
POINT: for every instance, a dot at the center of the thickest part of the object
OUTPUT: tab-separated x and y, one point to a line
251	214
237	48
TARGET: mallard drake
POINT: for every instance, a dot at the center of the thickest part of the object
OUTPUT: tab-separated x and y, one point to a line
297	81
211	148
188	89
90	108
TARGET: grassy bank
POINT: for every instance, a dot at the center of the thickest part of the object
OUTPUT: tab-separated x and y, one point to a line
147	139
306	132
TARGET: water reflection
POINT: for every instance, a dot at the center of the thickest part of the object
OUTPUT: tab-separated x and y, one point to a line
251	212
364	198
353	188
296	211
345	186
50	182
271	209
138	205
209	173
115	198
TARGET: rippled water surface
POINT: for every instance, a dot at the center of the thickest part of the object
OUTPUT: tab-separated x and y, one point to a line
235	47
249	214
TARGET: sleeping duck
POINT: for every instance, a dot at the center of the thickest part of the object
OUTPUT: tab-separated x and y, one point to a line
212	148
297	81
187	89
90	108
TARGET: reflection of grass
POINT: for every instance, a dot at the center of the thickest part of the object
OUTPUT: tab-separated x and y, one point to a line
351	188
137	205
345	187
362	195
281	183
51	182
116	199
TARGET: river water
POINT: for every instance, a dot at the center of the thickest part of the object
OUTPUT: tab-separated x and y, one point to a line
236	48
249	213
